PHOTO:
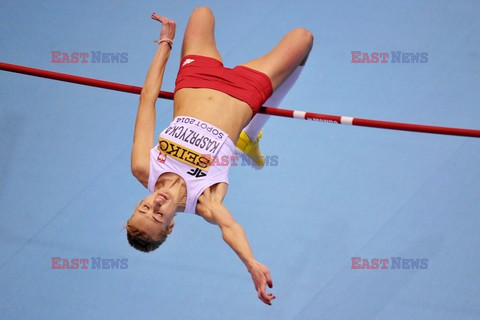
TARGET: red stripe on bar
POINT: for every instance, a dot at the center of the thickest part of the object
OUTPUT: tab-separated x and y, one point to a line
266	110
416	127
77	79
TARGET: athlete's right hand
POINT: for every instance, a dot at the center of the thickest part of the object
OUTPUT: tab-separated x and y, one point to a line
168	27
261	278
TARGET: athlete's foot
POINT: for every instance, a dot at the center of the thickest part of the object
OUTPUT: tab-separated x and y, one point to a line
251	149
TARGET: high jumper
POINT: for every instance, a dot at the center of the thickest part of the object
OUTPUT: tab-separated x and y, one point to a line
215	108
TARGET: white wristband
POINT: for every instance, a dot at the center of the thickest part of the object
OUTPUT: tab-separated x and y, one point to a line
169	41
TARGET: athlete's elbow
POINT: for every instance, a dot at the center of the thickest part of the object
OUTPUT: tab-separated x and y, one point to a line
139	172
146	96
231	231
228	235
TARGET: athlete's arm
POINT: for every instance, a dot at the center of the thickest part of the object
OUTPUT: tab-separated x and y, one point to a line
145	122
211	209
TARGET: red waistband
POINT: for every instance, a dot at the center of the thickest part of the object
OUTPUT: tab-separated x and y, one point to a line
241	82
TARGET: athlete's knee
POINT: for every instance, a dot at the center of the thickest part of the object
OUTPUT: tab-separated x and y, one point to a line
304	35
203	10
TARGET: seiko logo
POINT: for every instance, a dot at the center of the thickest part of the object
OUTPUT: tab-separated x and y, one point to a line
183	154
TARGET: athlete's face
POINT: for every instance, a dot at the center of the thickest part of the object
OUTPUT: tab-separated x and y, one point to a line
155	213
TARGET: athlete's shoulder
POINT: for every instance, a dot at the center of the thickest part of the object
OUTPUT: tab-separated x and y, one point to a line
210	198
142	174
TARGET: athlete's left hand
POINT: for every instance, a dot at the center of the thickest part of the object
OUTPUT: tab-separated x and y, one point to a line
168	27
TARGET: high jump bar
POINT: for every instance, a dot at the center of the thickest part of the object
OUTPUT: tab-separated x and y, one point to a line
265	110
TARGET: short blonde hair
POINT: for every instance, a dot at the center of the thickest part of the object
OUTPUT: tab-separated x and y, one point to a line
143	242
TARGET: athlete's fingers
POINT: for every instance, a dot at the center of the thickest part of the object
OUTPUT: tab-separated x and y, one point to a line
155	17
271	296
266	297
269	279
168	26
262	293
159	18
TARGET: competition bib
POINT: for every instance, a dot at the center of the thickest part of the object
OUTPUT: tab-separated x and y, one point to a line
191	141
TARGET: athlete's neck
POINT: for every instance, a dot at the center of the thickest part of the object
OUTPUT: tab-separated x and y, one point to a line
176	186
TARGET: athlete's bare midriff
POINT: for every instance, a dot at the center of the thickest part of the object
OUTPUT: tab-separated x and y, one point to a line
217	108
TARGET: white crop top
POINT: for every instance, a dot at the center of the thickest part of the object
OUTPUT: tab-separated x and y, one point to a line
197	151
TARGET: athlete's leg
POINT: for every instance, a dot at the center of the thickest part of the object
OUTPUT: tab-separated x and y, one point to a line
199	35
289	53
249	138
283	65
258	121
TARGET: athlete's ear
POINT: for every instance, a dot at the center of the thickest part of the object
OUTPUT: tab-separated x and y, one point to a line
170	227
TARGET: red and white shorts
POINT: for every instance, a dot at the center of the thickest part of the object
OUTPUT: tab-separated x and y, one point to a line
246	84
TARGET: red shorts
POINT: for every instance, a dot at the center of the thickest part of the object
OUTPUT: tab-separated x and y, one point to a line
246	84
